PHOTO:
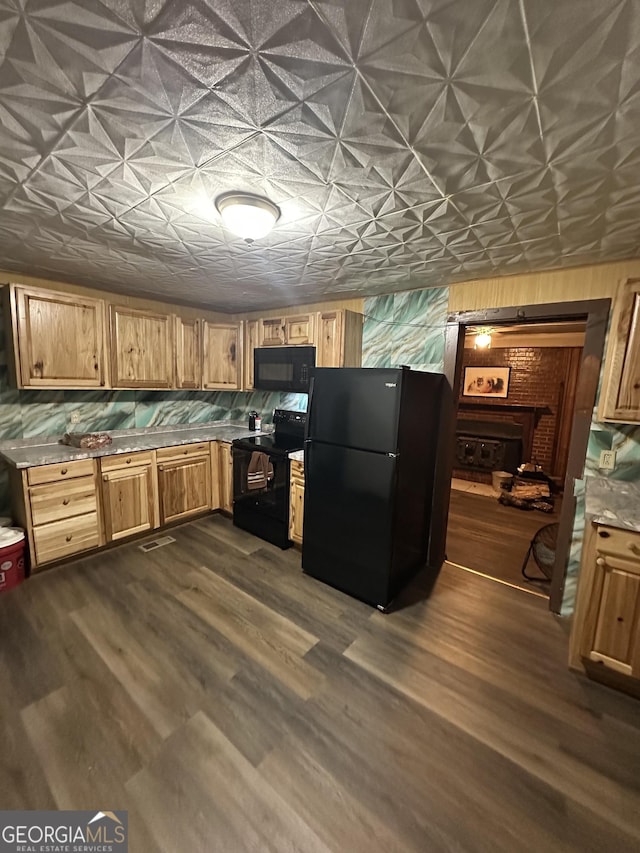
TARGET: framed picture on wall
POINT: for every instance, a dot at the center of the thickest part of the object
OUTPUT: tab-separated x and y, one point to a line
486	381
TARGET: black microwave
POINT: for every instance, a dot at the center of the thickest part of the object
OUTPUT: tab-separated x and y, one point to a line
283	368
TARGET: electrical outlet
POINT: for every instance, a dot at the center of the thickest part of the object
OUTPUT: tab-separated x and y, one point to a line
75	417
607	460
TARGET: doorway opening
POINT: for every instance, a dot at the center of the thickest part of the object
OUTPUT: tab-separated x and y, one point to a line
519	440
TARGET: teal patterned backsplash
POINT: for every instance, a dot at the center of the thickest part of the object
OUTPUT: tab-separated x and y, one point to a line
406	329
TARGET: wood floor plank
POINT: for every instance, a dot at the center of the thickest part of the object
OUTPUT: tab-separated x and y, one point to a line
489	537
157	691
499	720
316	608
263	635
245	814
230	702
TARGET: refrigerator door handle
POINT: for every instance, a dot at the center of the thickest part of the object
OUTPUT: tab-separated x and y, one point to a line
307	425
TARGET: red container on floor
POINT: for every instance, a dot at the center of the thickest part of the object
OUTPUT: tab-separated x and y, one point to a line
11	557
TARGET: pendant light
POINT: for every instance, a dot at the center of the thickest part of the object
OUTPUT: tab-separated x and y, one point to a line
247	215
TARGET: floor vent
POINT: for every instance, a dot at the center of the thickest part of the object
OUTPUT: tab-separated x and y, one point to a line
156	543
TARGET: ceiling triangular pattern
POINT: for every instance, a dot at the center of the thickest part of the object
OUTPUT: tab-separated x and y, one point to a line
408	144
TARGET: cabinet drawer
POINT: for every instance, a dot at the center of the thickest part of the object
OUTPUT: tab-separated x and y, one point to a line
126	460
61	538
621	543
182	451
63	471
55	501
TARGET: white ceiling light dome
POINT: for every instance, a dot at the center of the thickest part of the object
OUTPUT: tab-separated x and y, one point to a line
247	215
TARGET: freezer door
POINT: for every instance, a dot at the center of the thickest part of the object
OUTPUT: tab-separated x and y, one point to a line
348	519
355	407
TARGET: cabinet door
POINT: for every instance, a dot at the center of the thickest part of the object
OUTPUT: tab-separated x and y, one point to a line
141	349
612	626
330	339
620	396
188	348
222	366
296	510
47	323
184	487
252	340
272	332
300	330
226	476
128	498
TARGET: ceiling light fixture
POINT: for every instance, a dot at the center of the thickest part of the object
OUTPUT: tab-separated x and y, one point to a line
249	216
483	340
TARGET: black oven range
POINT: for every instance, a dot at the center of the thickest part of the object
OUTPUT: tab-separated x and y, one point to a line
261	477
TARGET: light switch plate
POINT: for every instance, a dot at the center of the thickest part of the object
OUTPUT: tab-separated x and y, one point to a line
607	460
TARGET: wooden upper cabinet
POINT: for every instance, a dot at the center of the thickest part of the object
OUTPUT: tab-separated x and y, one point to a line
60	340
272	332
300	329
620	395
141	349
339	339
251	341
188	350
296	330
222	362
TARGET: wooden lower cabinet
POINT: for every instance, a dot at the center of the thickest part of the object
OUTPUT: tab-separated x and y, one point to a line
71	507
296	502
226	476
129	496
58	507
605	636
184	481
65	537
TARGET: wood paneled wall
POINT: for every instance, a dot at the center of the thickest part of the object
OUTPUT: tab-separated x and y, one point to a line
566	285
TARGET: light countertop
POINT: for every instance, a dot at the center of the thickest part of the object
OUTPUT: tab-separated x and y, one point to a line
297	455
612	502
27	452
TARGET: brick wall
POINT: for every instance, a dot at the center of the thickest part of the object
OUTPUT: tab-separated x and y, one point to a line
537	378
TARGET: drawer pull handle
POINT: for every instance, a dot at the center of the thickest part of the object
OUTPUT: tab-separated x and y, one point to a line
601	561
620	619
63	471
65	502
634	548
128	462
69	537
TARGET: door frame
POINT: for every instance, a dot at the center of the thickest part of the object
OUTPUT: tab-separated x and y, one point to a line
596	314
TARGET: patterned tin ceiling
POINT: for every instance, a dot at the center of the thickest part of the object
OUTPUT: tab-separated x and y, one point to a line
409	143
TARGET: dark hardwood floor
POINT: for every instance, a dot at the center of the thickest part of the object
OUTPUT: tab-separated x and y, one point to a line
231	703
491	538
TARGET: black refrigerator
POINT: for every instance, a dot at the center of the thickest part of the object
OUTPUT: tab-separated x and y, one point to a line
373	513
